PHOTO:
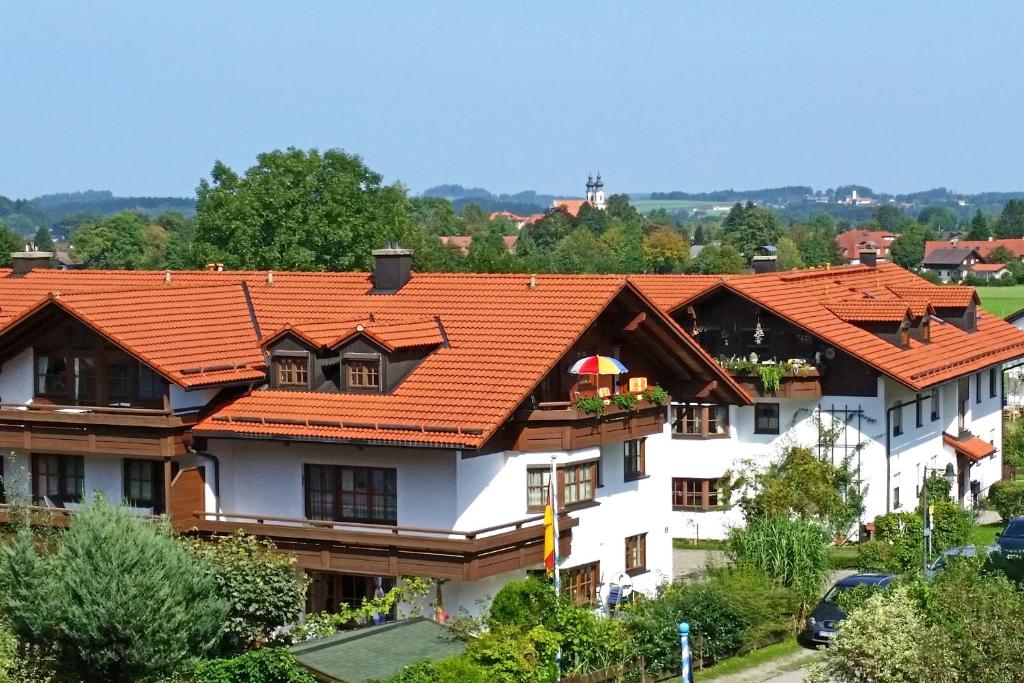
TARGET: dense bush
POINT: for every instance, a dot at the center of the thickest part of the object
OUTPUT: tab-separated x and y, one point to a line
792	551
898	546
731	611
1013	444
514	656
1007	498
458	669
266	665
951	526
261	585
118	599
523	604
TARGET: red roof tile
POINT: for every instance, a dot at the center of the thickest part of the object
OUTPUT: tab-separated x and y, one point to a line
984	247
852	241
570	206
803	297
870	310
988	267
969	445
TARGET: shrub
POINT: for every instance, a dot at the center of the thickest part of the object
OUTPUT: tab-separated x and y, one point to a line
458	669
1013	444
522	604
881	643
593	405
514	656
624	400
1007	498
656	395
951	526
898	545
119	599
266	665
589	642
937	488
260	583
792	551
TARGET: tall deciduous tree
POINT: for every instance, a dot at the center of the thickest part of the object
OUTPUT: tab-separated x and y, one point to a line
43	239
9	242
889	217
119	600
788	255
118	242
750	227
297	210
666	251
908	249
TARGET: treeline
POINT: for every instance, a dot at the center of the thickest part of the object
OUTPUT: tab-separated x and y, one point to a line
62	212
773	195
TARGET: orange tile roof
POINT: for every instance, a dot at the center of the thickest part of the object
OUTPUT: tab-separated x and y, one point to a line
570	206
970	446
984	247
193	336
669	291
391	334
988	267
870	310
851	241
803	297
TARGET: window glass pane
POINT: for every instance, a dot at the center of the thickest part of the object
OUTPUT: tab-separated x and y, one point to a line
718	419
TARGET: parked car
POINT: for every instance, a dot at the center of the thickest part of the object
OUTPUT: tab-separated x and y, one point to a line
824	620
1011	538
963	551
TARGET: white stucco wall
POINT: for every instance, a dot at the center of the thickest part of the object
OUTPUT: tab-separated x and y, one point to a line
16	379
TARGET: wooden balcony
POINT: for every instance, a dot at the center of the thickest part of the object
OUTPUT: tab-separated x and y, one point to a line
559	426
89	430
805	384
385	550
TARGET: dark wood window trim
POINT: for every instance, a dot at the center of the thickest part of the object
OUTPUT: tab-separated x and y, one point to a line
993	383
577	485
918	412
767	418
636	554
977	388
61	478
292	372
896	498
144	484
897	420
695	494
579	584
696	421
363	374
339	492
634	459
936	402
102	375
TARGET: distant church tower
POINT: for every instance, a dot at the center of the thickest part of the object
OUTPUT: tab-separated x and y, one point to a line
598	201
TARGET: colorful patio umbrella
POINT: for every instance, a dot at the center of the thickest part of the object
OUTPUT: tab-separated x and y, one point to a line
598	365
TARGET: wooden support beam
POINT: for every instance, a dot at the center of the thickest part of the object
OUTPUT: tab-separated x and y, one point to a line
708	388
635	322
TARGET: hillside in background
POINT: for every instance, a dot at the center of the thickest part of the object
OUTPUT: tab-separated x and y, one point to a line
523	203
25	216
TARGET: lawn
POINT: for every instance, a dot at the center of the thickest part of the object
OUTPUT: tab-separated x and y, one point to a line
985	534
1001	301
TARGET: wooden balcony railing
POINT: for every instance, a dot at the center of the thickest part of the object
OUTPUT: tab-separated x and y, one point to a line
92	430
397	550
558	425
805	383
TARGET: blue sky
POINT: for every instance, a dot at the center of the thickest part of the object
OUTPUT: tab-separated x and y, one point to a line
142	97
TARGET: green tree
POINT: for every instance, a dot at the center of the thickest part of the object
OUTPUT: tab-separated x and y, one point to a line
619	206
297	210
550	230
937	218
889	217
488	254
666	251
171	221
1001	255
261	585
717	260
9	242
908	249
788	255
750	227
434	214
43	239
625	244
698	235
473	219
594	220
118	242
1011	220
118	599
979	228
581	252
266	665
1013	443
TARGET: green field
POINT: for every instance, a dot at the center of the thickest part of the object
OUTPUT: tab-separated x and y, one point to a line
648	205
1001	301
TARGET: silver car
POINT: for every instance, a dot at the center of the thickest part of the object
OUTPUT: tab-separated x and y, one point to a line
962	551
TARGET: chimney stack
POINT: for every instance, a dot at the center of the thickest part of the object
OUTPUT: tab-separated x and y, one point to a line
869	257
764	263
392	268
29	259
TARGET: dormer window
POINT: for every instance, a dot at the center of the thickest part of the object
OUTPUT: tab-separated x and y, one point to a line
904	334
362	373
292	372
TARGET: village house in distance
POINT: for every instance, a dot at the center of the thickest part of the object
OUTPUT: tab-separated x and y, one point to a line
387	424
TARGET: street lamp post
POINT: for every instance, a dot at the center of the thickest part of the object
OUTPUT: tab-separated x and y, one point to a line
949	475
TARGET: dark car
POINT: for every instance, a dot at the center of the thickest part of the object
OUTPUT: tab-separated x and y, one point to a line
824	620
1011	538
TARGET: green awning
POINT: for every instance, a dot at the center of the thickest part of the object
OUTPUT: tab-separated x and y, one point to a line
376	652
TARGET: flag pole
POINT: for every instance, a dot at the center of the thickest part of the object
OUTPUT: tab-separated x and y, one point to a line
553	493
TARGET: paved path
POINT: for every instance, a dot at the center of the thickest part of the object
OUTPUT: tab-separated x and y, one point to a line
786	669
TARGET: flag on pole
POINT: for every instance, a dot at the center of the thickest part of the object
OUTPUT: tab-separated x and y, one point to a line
549	533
